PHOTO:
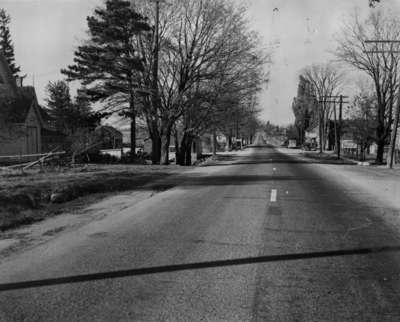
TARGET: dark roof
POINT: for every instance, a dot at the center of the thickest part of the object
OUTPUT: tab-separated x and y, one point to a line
18	108
50	132
18	101
113	131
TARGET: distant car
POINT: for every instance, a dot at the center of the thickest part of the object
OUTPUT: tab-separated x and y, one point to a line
310	145
171	153
292	144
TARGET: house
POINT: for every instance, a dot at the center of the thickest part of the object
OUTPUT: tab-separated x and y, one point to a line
109	137
312	132
19	117
204	143
22	123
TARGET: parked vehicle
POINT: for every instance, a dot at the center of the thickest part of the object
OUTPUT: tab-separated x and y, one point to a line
171	153
310	145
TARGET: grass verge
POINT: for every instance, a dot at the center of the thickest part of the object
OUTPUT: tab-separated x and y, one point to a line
329	158
32	196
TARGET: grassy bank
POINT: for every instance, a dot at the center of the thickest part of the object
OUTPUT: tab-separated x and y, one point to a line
34	195
325	157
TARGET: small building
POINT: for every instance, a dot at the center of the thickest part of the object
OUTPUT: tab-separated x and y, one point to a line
19	117
205	143
22	126
109	137
312	132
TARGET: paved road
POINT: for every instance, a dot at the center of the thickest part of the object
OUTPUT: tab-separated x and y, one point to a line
256	204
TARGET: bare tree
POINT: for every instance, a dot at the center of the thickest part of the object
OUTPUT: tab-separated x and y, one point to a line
373	2
199	42
326	80
361	117
376	60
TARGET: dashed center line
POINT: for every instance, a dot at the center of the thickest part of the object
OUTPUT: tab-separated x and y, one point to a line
274	194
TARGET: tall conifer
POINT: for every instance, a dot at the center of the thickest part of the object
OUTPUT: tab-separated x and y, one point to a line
6	45
108	63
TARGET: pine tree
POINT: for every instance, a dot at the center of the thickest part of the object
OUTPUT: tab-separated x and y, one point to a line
60	105
108	62
83	101
6	45
84	115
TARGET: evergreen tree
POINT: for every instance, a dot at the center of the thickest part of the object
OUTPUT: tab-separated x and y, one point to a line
6	46
83	101
108	62
70	115
60	105
84	116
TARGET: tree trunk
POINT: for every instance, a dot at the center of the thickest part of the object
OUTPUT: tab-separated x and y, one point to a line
155	149
133	139
391	159
133	125
155	141
177	147
214	143
165	141
198	149
184	156
320	133
380	150
180	157
188	152
380	134
362	150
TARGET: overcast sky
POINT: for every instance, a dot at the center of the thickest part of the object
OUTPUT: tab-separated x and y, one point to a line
45	33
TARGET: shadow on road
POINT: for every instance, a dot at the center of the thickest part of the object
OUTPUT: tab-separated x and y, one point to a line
241	179
271	158
193	266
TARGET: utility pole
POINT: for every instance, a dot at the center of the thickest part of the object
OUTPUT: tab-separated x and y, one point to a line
154	97
155	53
392	145
340	126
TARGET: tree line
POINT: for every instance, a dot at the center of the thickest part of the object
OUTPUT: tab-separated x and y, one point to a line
186	68
370	47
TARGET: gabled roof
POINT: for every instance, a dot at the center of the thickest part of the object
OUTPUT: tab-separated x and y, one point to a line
18	108
17	101
112	130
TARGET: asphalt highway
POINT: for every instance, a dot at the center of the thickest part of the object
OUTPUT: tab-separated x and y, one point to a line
268	237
